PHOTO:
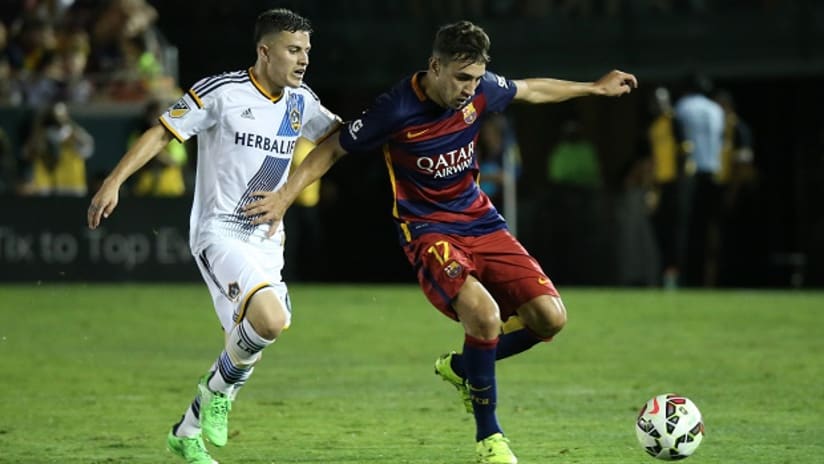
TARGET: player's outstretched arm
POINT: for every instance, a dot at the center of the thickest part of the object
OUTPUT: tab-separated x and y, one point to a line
105	200
271	206
547	90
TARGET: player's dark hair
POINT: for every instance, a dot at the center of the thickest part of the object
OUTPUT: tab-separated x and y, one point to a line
462	41
279	20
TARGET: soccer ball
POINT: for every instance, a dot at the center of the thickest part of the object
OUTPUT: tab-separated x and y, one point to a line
669	427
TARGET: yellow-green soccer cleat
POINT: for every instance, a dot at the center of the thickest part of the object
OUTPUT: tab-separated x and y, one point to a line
214	413
443	368
192	449
494	449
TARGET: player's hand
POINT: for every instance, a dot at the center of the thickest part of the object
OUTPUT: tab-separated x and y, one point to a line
103	204
617	83
268	208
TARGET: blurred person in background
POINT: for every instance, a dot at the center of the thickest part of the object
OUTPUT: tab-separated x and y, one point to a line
140	58
42	86
4	40
738	178
667	202
468	264
497	148
141	73
573	161
239	152
162	176
75	86
574	192
114	25
737	156
637	253
126	51
11	92
32	39
57	149
50	63
8	166
700	123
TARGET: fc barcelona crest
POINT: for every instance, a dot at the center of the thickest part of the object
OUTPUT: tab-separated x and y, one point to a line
453	270
469	113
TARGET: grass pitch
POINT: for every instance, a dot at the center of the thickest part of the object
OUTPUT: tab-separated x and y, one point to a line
97	374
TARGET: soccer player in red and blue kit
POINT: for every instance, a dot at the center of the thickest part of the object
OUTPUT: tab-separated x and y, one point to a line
468	264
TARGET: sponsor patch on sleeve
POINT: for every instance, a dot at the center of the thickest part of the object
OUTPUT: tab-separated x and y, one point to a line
354	127
179	109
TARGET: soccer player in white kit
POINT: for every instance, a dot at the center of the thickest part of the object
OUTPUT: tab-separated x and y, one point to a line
247	123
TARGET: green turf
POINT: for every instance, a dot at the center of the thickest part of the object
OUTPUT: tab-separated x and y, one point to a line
97	374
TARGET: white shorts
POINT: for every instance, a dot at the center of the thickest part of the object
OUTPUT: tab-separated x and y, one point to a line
234	271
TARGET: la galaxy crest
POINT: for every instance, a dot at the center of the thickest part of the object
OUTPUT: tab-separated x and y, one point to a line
469	113
233	291
292	117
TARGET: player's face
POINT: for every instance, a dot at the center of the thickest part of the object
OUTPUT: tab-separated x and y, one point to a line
285	56
456	81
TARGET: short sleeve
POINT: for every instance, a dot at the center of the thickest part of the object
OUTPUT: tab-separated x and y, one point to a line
372	128
499	91
190	115
318	121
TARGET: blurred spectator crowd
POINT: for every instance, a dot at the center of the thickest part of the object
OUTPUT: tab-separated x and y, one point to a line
79	51
55	57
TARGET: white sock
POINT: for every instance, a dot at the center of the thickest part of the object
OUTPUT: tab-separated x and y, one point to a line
235	363
234	392
189	425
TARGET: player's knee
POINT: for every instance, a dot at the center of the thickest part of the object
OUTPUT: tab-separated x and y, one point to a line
266	314
553	318
478	311
271	327
481	319
557	316
487	326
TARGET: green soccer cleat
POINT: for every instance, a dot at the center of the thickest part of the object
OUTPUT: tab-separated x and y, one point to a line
443	368
214	413
494	449
192	449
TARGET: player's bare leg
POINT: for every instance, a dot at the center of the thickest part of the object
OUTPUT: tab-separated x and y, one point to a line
263	321
481	319
536	321
477	310
544	315
267	315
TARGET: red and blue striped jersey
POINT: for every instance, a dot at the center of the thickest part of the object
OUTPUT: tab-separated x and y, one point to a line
430	154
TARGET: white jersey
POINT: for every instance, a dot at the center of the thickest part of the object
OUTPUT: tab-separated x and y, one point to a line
245	142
